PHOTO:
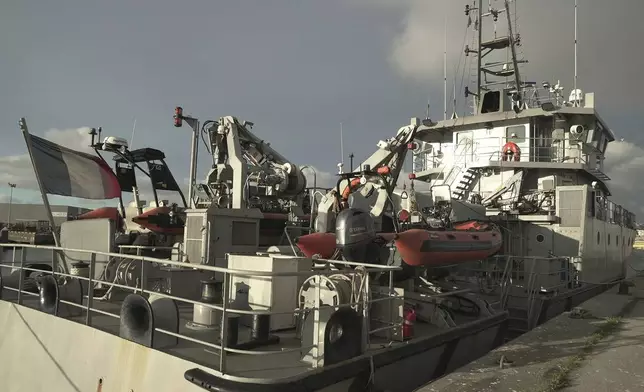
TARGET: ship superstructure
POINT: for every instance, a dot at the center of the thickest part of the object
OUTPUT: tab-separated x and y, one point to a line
533	156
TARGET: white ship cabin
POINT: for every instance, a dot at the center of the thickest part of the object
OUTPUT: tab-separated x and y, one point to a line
483	151
542	164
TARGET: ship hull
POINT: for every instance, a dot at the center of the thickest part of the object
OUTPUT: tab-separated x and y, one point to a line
41	352
402	369
72	356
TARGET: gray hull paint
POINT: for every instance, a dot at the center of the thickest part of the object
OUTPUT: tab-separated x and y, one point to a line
408	374
401	369
75	357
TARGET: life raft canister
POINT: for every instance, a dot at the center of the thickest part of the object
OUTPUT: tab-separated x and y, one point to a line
511	149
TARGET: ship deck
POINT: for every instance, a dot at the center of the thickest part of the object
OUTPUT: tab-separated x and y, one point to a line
281	360
254	366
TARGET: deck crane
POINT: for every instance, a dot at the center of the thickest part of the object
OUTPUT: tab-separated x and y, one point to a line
372	182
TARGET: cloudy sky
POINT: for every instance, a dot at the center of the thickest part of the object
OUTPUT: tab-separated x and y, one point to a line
297	69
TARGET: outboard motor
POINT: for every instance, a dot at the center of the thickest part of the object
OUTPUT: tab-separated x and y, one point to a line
355	235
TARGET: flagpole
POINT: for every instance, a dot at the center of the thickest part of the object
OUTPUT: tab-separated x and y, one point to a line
25	132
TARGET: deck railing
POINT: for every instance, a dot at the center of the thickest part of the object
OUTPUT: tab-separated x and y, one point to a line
535	96
520	276
490	149
90	302
604	209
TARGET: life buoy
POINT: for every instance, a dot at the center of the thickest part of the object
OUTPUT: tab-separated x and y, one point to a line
512	149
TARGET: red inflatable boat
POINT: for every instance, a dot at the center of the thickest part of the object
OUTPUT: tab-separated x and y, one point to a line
102	213
467	241
157	220
322	244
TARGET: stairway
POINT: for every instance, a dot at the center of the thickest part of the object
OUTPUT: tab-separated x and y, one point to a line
599	174
460	160
465	185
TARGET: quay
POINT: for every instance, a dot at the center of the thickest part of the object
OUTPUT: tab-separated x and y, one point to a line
598	346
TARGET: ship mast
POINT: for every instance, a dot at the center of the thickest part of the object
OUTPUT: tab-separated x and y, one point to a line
515	65
479	56
499	69
445	69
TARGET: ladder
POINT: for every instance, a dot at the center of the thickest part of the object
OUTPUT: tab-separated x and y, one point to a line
460	161
465	185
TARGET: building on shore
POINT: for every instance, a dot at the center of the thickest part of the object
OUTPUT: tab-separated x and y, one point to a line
32	214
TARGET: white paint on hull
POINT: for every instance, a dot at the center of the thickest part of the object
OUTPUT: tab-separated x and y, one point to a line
39	352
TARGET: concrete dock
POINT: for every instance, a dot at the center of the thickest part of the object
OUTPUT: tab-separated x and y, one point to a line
599	348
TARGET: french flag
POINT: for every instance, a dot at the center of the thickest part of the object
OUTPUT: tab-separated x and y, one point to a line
66	172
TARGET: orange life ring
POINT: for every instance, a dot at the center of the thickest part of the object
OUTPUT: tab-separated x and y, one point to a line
511	148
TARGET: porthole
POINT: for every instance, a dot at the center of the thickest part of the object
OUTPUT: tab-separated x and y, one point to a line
599	237
540	238
608	239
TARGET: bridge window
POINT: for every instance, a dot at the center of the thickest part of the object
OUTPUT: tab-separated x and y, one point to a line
599	237
491	102
515	133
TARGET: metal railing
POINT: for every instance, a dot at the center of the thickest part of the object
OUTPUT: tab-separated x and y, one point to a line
361	302
537	282
534	96
519	274
604	209
534	149
490	149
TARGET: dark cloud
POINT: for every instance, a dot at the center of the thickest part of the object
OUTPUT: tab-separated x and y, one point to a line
295	69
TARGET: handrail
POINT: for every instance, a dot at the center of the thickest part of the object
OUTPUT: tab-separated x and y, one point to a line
532	282
362	300
370	267
533	149
506	282
144	247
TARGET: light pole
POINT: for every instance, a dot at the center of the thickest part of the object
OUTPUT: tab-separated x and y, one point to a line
194	149
11	186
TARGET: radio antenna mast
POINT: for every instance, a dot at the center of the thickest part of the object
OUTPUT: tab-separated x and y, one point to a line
445	70
575	80
341	164
133	130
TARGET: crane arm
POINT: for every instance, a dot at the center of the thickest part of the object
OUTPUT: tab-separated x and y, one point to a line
379	173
